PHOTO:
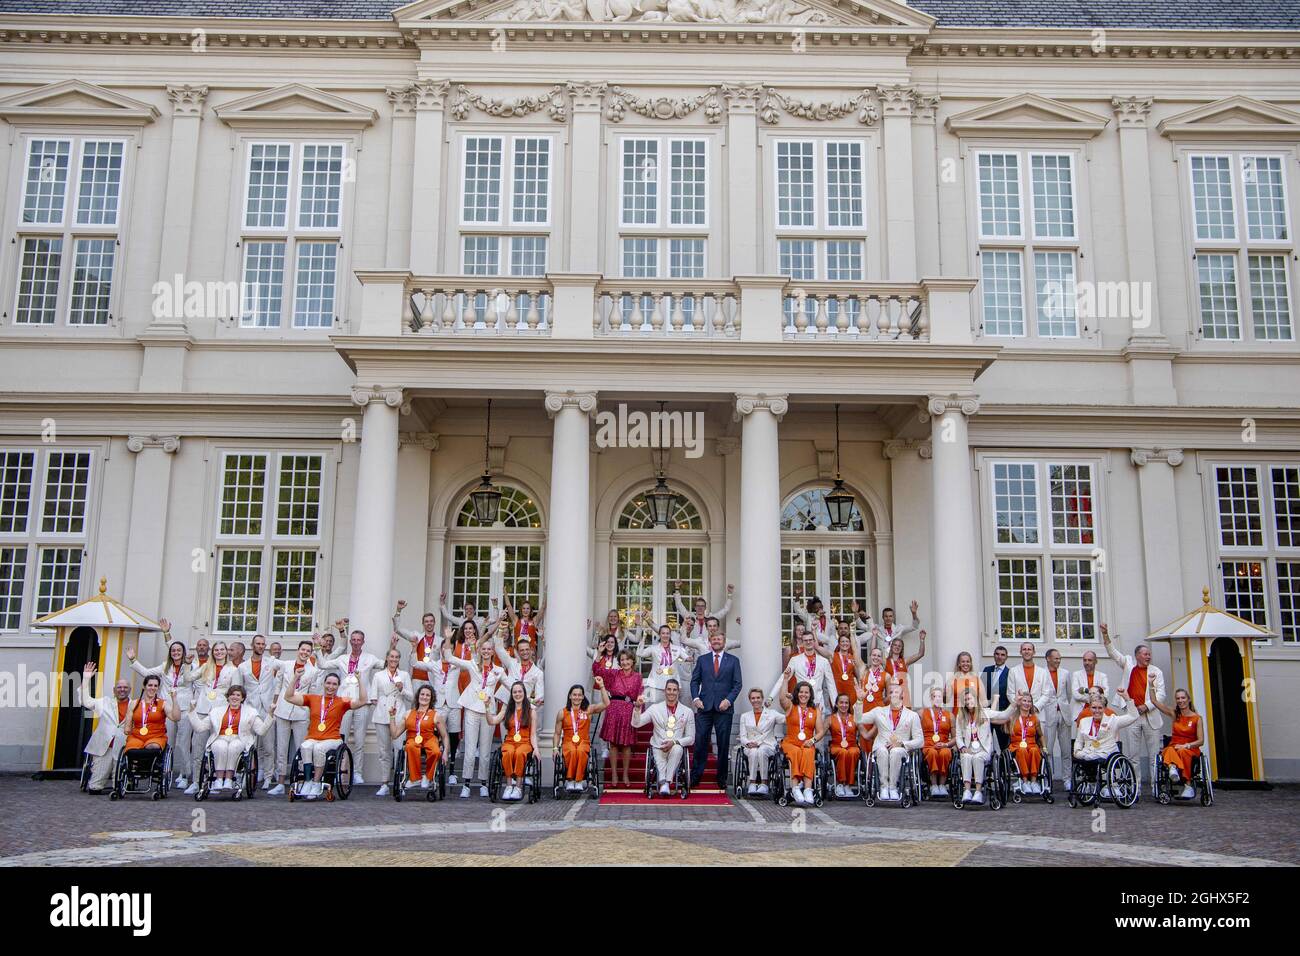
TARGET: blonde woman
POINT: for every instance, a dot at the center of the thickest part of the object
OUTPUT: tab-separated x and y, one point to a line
973	731
485	678
1185	742
391	694
209	682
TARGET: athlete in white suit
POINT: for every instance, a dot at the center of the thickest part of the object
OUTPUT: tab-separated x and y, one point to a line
298	675
699	614
673	733
1056	718
898	733
1029	677
812	668
106	742
232	728
761	729
176	676
259	675
1143	739
1082	683
391	694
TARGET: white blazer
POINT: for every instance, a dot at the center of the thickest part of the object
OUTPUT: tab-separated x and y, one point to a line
261	691
700	631
207	695
533	681
822	680
477	684
172	685
766	730
1106	740
908	729
869	631
655	654
284	709
109	731
384	692
1018	684
823	631
657	714
251	724
1058	698
1079	690
1155	685
356	684
983	732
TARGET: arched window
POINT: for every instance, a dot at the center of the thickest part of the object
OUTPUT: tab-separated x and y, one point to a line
486	560
649	561
833	565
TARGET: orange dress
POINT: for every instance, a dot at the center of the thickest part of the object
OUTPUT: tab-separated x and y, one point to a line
961	683
1186	729
1024	744
936	725
148	725
844	747
875	690
896	672
328	711
425	727
800	720
516	746
577	743
845	676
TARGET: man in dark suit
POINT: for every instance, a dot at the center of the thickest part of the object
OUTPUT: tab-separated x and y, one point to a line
995	689
715	685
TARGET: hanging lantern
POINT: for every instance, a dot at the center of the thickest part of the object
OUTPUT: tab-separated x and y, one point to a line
839	503
660	498
486	498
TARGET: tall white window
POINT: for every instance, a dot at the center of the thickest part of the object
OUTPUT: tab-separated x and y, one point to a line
68	230
816	561
649	561
1044	534
1242	246
268	542
44	522
291	233
1028	243
1257	540
488	560
663	207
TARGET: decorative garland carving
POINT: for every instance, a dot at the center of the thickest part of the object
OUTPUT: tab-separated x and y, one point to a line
775	102
553	101
620	100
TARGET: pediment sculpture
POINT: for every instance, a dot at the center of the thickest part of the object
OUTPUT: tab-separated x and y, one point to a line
668	11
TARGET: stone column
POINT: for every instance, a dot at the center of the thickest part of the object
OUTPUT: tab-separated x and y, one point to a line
568	547
1160	546
401	176
927	185
910	496
898	104
147	533
411	539
584	159
426	180
744	227
370	604
760	537
953	561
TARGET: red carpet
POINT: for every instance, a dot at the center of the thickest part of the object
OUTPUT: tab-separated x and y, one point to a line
707	794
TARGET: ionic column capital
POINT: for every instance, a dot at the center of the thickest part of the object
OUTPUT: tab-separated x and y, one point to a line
363	395
899	447
1170	456
584	402
168	443
935	406
747	404
187	100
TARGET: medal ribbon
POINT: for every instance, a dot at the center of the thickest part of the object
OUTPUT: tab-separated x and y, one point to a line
231	712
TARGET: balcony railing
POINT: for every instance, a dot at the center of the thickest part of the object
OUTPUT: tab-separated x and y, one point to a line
584	306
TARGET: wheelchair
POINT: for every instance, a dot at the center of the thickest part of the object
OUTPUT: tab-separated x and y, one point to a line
245	775
532	785
909	787
830	780
681	781
593	781
953	780
336	775
401	782
996	785
782	786
1044	779
1200	780
145	770
739	783
86	771
1114	779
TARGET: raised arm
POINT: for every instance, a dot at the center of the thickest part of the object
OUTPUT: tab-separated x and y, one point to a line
1115	653
601	704
920	652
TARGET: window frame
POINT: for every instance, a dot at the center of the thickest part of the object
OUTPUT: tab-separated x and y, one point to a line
497	535
1241	248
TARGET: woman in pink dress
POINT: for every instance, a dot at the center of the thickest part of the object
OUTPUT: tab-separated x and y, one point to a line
605	658
616	729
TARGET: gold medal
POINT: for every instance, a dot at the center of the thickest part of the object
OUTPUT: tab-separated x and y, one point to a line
230	731
668	734
672	721
518	738
419	738
1024	745
665	670
212	695
935	738
870	698
576	739
802	735
844	676
482	695
321	725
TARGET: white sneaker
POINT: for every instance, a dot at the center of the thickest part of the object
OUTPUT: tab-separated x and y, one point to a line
182	782
751	790
965	796
977	797
276	791
1105	793
464	793
1189	792
663	789
383	791
451	780
424	783
941	790
266	783
763	791
191	789
483	791
1173	772
357	780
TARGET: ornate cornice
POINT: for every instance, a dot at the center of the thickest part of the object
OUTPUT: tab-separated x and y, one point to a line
689	12
425	440
938	405
620	100
363	395
1170	456
778	405
168	443
584	402
1131	111
898	447
187	100
554	101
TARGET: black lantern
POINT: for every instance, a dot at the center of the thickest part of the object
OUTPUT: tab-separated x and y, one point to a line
839	503
660	497
486	498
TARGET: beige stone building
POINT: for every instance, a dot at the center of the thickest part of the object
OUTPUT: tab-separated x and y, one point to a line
265	264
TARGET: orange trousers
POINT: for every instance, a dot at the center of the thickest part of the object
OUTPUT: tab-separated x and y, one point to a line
846	763
1028	759
937	759
432	752
1182	759
802	759
514	756
575	759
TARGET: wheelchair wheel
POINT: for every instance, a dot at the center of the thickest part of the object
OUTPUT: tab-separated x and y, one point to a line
1045	780
595	774
905	794
684	776
85	773
1207	785
205	778
249	763
342	774
399	775
295	775
163	767
649	776
557	776
873	782
739	772
1123	781
533	771
495	774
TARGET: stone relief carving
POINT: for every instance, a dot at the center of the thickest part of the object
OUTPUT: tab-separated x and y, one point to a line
553	101
619	101
774	103
668	11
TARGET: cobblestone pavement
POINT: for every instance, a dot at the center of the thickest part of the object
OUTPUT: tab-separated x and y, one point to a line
52	822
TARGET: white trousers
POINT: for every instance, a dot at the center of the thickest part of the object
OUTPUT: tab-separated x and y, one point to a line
890	762
1056	740
226	753
451	717
101	768
1142	746
179	737
385	742
286	732
666	762
314	752
476	745
973	766
758	758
